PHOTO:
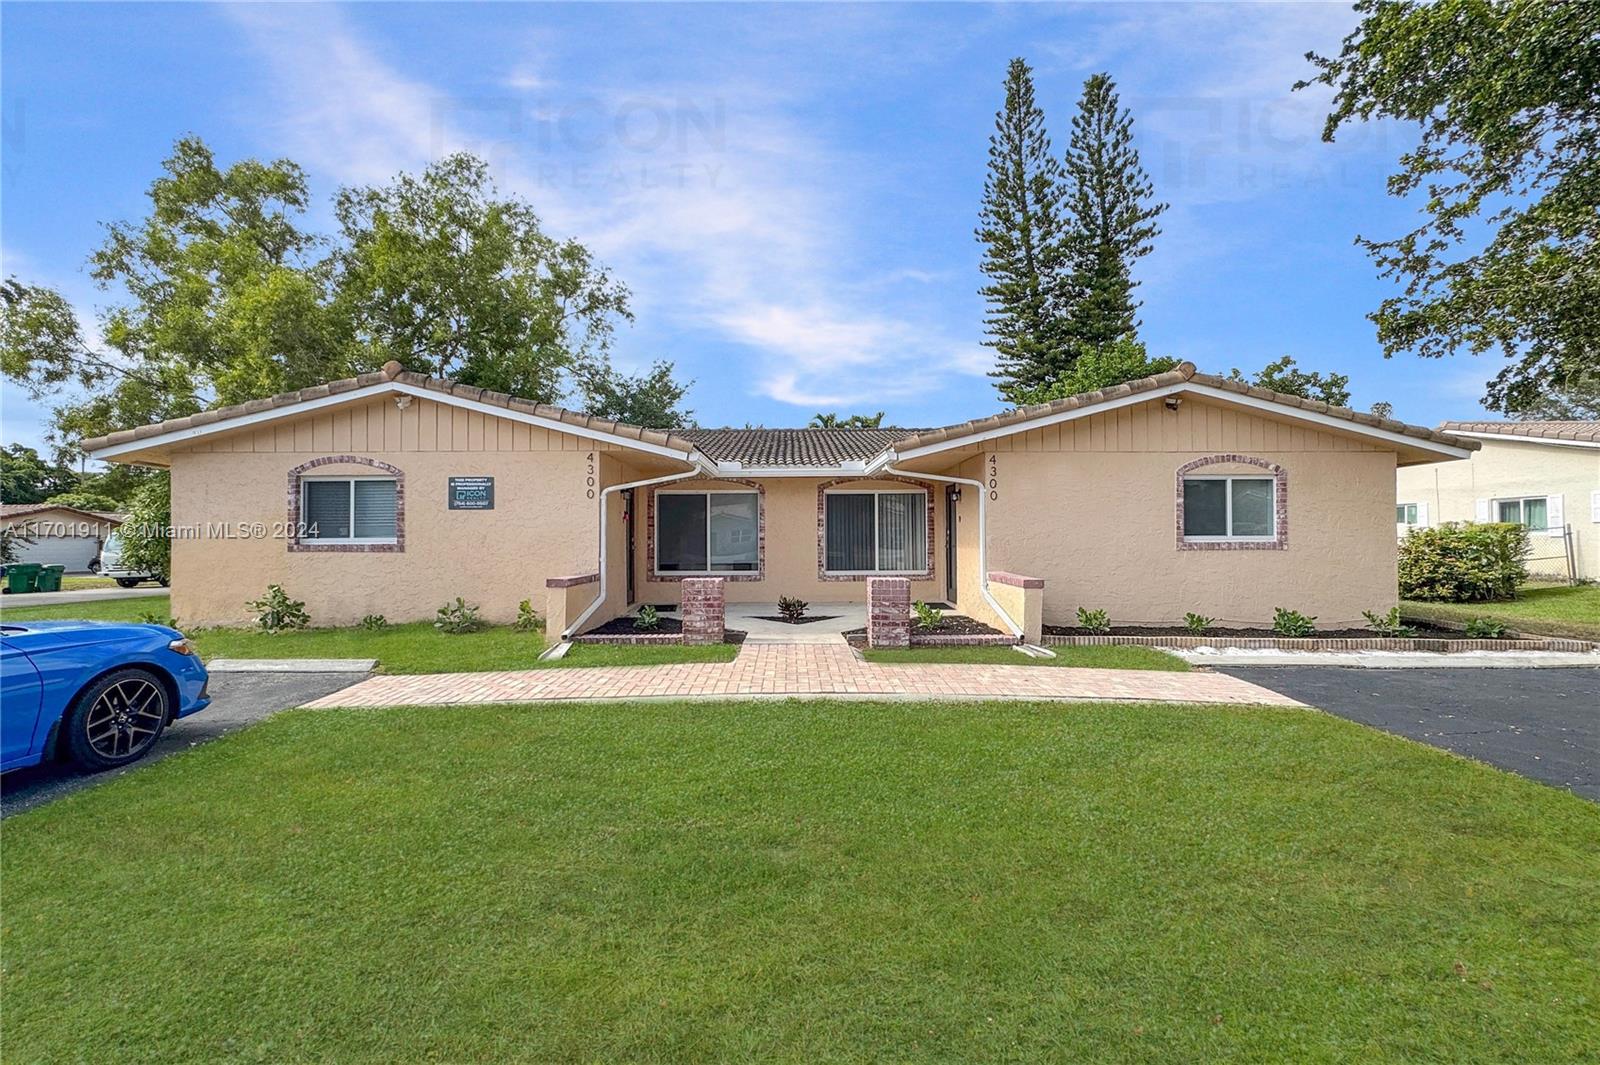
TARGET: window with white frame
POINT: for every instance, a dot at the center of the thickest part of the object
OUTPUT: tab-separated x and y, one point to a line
1405	514
348	510
1229	508
875	532
708	532
1531	511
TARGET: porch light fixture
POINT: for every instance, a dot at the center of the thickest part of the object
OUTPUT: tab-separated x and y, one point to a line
1174	402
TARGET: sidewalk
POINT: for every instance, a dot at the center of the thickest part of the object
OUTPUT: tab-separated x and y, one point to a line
81	595
802	669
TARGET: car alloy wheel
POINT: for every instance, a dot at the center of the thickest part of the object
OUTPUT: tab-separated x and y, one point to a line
126	718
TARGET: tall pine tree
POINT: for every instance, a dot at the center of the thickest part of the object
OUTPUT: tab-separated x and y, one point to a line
1024	238
1110	214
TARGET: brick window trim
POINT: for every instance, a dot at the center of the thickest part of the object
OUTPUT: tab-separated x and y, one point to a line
1280	499
697	484
822	530
297	474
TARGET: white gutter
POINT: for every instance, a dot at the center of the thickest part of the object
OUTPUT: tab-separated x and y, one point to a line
570	630
983	538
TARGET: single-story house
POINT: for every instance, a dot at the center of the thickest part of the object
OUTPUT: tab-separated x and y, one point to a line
1542	474
393	492
62	535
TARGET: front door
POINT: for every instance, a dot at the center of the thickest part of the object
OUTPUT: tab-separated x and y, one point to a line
950	496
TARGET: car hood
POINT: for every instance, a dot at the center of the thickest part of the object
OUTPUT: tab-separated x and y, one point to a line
79	633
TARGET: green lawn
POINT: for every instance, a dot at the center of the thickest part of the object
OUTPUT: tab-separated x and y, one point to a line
1106	657
17	608
412	648
803	882
1555	610
78	584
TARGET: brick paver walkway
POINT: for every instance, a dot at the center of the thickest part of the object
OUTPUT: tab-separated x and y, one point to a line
802	669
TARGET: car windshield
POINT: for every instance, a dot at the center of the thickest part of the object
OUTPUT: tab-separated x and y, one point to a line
113	543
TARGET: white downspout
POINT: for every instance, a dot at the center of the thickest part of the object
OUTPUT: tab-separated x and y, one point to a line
604	493
983	538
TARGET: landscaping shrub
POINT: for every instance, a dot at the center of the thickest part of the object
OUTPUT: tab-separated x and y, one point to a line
1463	562
458	618
927	616
150	617
1197	624
1388	624
1094	622
791	607
648	619
276	612
527	619
374	622
1485	629
1292	623
145	534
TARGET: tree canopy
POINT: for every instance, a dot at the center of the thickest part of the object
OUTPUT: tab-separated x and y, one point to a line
831	420
1282	376
1507	95
223	296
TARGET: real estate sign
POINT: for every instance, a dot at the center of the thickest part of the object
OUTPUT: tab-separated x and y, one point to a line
471	493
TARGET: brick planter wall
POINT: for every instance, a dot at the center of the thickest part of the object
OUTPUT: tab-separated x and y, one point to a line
888	612
1311	643
704	609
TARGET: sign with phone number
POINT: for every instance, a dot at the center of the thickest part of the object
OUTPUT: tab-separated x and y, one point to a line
471	493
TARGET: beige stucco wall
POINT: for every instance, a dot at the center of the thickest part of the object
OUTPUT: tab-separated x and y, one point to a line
1511	469
1091	507
790	511
543	524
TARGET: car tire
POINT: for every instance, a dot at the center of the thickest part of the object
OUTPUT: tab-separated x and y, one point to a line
117	719
94	565
163	582
127	582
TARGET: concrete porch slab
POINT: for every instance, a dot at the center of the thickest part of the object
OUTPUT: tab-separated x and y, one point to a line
291	665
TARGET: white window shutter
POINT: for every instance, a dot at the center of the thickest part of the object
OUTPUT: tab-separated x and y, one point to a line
1555	520
1422	515
1594	505
1483	510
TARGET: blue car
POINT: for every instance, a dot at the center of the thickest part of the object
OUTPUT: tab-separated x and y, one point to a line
97	693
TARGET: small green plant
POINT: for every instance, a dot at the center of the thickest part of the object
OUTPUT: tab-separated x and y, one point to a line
791	607
1388	624
374	623
1094	622
458	618
150	617
648	619
927	616
1292	623
1485	629
276	612
1197	624
527	619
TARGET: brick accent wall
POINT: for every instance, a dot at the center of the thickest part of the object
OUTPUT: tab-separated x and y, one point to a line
1280	497
888	612
822	526
650	574
295	475
704	609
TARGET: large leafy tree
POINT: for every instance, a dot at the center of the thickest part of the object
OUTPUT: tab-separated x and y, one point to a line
1116	362
25	477
1283	376
225	301
1507	95
1112	216
443	274
1024	236
653	399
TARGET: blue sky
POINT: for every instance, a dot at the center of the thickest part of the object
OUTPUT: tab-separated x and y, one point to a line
790	192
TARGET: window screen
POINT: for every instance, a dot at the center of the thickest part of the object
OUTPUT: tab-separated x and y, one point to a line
359	509
876	532
1229	507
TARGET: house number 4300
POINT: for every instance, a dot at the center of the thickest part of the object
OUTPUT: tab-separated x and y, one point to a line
994	477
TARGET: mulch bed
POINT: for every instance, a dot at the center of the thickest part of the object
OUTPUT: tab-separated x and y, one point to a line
949	625
623	626
796	621
1422	632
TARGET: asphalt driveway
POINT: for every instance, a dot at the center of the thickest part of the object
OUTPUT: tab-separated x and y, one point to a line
1541	723
237	700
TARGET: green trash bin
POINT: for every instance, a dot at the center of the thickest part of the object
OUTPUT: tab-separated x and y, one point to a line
49	579
22	577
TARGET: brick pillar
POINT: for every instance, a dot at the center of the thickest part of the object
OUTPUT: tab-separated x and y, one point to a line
701	599
888	612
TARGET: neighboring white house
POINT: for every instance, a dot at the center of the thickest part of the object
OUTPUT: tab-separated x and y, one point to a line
60	535
1545	475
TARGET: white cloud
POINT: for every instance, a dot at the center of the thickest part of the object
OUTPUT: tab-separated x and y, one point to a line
709	200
